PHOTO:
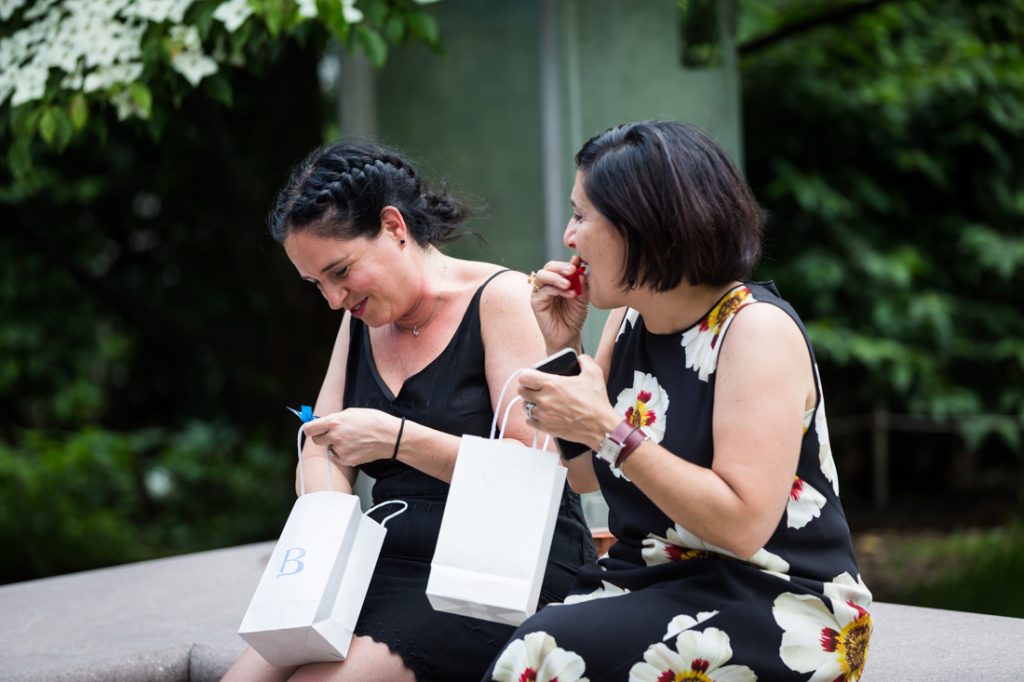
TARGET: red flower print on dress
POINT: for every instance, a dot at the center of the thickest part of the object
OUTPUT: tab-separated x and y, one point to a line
804	504
644	405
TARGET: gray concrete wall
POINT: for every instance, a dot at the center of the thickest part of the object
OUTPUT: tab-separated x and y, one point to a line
482	113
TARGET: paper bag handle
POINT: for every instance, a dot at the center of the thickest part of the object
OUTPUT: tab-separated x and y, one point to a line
405	505
504	421
508	408
302	478
501	397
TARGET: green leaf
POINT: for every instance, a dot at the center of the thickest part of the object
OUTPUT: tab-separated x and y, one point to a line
78	109
394	29
19	156
48	125
201	16
219	87
374	11
65	129
275	15
142	97
329	12
424	27
374	46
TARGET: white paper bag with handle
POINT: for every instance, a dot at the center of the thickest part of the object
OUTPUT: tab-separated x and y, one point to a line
306	604
497	527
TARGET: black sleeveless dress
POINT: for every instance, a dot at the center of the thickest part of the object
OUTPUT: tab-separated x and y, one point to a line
665	605
450	395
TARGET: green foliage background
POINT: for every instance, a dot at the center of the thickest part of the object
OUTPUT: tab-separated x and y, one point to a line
150	336
889	149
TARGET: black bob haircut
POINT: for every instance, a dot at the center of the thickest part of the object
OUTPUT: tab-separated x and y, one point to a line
678	201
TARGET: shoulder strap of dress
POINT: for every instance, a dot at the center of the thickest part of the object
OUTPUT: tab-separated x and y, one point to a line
487	281
471	320
356	339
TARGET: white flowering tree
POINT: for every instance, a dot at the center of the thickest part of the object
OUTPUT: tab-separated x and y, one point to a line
63	61
142	141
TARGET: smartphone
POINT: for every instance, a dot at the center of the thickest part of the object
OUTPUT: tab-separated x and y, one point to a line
564	363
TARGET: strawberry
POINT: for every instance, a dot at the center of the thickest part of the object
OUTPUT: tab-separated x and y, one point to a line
574	280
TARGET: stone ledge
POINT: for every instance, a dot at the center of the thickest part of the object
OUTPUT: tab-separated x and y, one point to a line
174	620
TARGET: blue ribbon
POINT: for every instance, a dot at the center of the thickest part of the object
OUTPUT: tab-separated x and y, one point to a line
306	414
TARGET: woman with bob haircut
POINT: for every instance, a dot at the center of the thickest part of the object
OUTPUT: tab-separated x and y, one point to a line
704	425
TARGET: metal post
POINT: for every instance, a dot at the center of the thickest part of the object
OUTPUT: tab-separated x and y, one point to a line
880	457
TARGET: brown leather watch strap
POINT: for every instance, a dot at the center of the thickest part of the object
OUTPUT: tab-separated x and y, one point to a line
632	441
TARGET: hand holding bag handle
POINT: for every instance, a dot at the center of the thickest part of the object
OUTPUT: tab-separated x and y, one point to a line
497	528
508	408
302	477
302	483
330	548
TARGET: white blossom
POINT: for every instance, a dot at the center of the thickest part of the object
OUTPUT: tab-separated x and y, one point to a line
307	8
9	7
126	105
193	66
7	86
158	11
104	78
95	46
233	13
188	59
31	84
351	12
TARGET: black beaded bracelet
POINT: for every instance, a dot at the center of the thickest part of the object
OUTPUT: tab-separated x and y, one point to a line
401	427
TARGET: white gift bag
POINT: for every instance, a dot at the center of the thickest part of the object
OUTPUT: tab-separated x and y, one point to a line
496	531
306	604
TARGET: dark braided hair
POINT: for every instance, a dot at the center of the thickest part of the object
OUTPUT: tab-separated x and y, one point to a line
339	190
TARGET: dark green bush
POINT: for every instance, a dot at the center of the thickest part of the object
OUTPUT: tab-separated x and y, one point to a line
95	497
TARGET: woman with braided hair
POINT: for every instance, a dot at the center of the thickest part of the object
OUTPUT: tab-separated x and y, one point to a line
425	345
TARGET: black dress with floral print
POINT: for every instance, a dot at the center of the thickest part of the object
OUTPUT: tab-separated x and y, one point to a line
665	605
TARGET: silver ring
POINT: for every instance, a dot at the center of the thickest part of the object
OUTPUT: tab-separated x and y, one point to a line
528	406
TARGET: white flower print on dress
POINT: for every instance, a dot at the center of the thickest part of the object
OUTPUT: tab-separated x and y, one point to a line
538	658
700	342
699	657
684	622
629	319
805	503
828	464
606	590
680	544
817	415
831	644
644	405
844	588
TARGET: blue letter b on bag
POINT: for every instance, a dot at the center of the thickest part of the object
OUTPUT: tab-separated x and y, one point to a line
294	559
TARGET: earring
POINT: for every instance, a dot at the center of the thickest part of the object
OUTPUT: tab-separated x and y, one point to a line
401	241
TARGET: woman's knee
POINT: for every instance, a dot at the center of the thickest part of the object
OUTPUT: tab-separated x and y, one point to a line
251	667
367	661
